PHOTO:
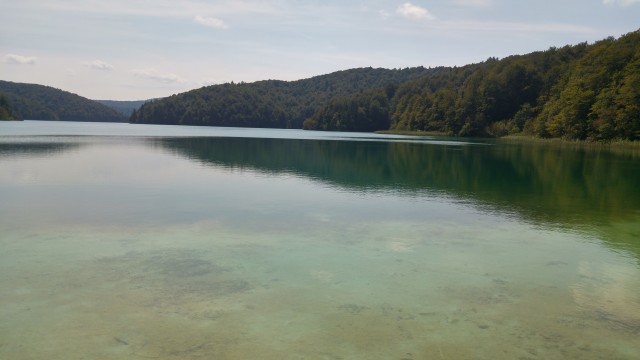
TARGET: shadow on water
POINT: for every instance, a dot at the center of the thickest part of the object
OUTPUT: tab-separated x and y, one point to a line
578	188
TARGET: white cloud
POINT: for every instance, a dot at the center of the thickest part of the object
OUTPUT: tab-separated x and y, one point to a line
19	59
622	3
153	74
100	65
211	22
415	12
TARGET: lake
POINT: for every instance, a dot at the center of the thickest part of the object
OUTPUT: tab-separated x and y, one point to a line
122	241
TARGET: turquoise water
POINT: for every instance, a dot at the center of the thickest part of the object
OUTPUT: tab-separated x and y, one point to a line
130	241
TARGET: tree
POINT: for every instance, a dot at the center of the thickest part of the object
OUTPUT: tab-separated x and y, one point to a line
5	110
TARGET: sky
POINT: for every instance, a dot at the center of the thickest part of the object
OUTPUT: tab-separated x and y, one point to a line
142	49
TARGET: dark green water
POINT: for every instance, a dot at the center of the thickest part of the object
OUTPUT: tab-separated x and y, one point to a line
121	241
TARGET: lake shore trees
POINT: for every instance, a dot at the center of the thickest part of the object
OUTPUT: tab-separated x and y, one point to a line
575	92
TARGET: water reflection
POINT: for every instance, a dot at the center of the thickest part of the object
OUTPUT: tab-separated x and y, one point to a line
584	189
31	148
578	188
124	249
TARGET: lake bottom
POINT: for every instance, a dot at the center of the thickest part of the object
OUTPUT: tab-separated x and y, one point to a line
336	290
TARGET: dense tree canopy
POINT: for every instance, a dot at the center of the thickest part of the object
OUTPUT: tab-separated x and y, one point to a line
599	97
5	110
271	103
365	112
38	102
586	92
576	92
492	98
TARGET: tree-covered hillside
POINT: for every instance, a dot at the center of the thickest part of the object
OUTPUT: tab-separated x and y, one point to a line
575	92
584	91
366	111
38	102
490	98
270	103
5	110
599	97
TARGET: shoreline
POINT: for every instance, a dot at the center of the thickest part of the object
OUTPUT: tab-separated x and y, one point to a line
618	144
522	138
413	133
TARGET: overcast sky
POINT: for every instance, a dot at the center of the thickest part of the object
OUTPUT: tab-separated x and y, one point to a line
140	49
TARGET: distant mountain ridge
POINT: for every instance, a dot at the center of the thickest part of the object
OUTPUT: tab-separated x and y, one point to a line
124	107
39	102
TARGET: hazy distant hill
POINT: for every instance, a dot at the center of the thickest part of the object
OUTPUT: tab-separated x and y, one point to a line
125	108
38	102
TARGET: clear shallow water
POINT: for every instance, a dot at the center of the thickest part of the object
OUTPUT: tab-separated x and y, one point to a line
121	241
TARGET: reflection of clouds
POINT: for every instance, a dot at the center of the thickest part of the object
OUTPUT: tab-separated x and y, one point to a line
610	292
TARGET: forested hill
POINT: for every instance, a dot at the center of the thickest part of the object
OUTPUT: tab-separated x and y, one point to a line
575	92
584	91
38	102
5	110
270	103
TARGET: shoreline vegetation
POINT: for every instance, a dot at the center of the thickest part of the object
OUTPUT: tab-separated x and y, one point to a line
525	138
520	137
626	147
413	133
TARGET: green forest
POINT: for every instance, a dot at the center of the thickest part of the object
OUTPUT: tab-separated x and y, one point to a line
269	103
38	102
577	92
5	110
583	91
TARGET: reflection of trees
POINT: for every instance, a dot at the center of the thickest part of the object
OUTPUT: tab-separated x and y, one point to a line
565	186
34	148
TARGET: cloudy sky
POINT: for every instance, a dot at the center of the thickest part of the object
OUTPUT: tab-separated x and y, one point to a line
140	49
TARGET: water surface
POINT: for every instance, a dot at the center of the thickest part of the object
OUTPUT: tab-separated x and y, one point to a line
134	241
